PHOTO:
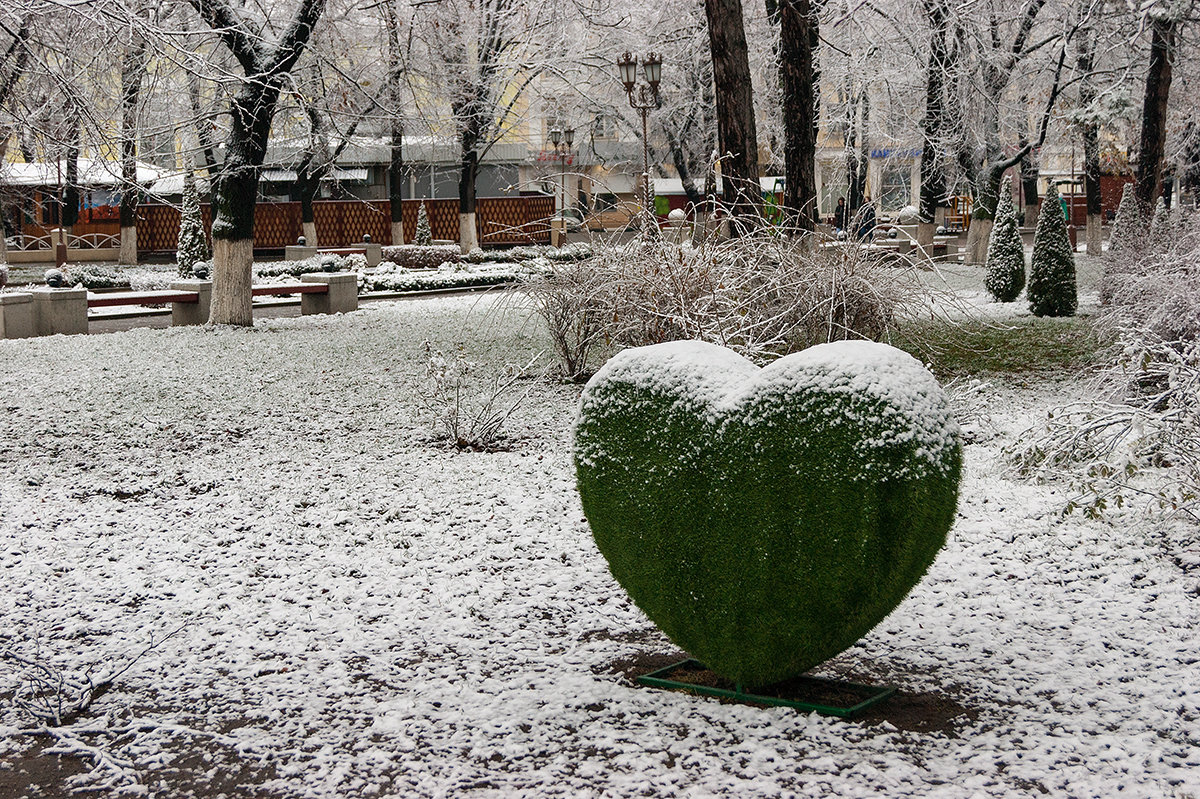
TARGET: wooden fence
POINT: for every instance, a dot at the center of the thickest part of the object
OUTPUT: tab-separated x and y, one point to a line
340	223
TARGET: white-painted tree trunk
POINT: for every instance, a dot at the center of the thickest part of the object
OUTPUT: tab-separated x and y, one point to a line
1031	214
466	232
397	233
977	241
3	249
128	252
1095	235
233	263
310	234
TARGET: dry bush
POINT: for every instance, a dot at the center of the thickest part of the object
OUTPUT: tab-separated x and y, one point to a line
763	295
1139	436
469	402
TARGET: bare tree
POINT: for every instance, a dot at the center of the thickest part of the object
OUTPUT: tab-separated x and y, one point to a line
799	34
133	70
235	190
736	129
1152	142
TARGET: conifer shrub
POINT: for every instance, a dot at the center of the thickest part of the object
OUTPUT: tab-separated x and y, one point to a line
1052	268
1006	252
766	519
424	237
192	247
1128	233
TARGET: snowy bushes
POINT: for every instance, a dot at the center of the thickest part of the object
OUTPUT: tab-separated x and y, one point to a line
95	276
469	402
1005	276
326	262
1140	435
766	519
391	277
1052	267
761	295
419	256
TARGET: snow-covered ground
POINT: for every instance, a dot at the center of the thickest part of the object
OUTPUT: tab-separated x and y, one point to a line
363	612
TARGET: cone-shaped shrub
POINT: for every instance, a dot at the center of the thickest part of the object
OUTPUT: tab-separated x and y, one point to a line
424	235
192	247
1052	268
1160	225
1006	253
1127	233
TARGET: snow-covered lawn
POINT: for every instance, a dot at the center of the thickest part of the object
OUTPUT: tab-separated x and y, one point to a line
363	612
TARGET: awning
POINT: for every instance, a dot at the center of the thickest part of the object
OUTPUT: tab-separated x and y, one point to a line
279	175
356	174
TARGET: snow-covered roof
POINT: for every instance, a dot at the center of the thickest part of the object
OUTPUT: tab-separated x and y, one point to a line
92	172
675	185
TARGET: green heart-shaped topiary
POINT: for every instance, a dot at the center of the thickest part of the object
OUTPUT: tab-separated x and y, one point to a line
766	519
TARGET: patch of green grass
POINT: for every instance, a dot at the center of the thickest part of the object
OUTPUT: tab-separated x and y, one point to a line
1028	346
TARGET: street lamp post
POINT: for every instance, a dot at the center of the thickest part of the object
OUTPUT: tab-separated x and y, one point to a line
642	100
562	140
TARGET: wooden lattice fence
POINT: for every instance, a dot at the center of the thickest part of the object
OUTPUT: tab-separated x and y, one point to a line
341	223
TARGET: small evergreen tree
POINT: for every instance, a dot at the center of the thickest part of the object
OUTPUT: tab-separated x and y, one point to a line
1006	252
1052	268
424	236
192	247
1127	232
1160	225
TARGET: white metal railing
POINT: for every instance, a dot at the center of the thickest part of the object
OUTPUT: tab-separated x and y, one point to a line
88	241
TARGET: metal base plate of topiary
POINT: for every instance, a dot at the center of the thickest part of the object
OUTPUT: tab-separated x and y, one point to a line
866	695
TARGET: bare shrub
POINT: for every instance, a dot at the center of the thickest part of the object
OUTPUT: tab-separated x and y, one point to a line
469	402
763	295
574	299
1139	435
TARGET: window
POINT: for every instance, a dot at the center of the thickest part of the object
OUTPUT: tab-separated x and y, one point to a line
895	186
833	185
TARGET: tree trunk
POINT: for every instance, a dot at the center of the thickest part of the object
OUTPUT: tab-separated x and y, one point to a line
133	68
396	165
983	212
736	131
251	109
1090	133
695	197
933	126
70	211
233	279
308	181
467	238
235	195
1148	180
798	31
396	182
1029	189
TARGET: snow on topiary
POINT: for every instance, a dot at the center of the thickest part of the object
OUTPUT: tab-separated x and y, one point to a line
1160	225
424	236
1006	252
192	246
1128	232
767	519
1052	267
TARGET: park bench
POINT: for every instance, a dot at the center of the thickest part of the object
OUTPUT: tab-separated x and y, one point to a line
44	312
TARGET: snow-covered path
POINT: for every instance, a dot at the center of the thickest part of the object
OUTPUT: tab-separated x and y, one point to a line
366	613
